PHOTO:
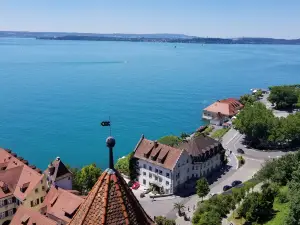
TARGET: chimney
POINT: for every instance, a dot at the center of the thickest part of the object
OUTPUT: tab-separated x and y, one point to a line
155	144
51	169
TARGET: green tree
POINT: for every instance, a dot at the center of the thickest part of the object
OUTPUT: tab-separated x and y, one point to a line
128	166
161	220
256	121
202	188
247	99
283	96
170	140
209	218
87	177
179	207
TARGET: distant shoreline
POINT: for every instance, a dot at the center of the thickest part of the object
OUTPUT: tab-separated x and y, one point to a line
268	41
161	38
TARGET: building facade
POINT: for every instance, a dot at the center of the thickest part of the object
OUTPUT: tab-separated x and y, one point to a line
21	184
59	175
170	169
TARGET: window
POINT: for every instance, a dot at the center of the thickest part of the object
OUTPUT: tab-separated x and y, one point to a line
160	180
2	215
156	170
178	164
9	201
144	173
31	203
10	212
1	203
156	177
69	178
37	201
193	168
150	168
43	188
36	190
144	181
160	172
188	170
137	163
42	199
187	161
167	183
150	175
145	166
196	167
41	181
167	174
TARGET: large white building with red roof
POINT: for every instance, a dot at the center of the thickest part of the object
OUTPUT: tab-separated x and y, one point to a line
170	168
222	110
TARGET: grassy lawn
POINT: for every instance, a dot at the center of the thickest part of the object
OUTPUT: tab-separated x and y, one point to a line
220	133
282	211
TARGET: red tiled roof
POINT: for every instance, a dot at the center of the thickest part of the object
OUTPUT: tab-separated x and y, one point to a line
228	107
111	202
58	202
157	153
18	174
29	216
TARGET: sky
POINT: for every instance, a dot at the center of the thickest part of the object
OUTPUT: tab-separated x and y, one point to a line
205	18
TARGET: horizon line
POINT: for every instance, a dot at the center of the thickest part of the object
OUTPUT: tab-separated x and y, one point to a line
191	36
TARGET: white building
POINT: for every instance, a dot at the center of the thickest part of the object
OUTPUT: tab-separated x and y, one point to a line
169	169
59	175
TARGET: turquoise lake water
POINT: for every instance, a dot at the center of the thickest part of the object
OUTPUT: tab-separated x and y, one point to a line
54	94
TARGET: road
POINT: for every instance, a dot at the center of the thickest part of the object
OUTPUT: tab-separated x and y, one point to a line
234	140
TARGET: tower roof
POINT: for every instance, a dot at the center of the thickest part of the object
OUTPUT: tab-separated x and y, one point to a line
111	202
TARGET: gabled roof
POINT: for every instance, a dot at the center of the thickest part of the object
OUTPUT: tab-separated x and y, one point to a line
29	216
157	153
227	107
60	169
111	202
18	174
200	145
61	203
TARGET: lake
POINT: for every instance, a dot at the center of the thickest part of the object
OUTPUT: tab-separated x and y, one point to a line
54	94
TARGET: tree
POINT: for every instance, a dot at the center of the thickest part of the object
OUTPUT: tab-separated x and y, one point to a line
170	140
283	96
247	99
184	135
86	178
161	220
128	166
202	188
210	218
179	206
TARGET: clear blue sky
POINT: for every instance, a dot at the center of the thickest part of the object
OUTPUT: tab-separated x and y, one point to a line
214	18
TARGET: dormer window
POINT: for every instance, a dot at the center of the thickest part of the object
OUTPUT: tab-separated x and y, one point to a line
159	160
153	158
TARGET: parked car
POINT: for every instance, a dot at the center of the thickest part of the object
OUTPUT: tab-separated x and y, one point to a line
235	183
136	185
226	187
241	151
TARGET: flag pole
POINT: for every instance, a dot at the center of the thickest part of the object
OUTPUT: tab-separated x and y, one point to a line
109	126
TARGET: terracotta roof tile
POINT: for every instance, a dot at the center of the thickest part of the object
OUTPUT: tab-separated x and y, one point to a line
18	175
228	107
58	202
167	156
30	216
111	202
